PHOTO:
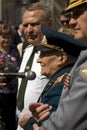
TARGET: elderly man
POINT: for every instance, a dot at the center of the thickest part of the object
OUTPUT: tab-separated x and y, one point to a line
72	110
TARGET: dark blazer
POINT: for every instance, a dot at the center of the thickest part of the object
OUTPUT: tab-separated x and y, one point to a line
51	94
16	38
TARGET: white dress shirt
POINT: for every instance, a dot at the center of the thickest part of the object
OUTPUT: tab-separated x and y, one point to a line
34	87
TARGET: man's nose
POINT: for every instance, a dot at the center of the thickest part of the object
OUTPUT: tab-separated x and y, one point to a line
38	60
29	27
72	22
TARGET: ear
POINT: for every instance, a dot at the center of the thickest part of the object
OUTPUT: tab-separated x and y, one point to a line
62	59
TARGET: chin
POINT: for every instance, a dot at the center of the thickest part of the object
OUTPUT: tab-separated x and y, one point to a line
33	42
78	36
43	73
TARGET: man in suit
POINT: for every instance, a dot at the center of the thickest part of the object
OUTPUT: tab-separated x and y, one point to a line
35	15
71	113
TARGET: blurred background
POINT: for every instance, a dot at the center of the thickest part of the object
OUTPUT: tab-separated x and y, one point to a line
11	10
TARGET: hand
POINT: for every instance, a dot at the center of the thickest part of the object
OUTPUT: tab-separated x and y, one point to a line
23	120
40	111
36	127
67	80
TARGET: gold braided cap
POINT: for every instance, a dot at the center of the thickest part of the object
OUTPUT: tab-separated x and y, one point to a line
75	3
50	46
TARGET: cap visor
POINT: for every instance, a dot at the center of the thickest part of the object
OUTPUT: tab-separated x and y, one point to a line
43	48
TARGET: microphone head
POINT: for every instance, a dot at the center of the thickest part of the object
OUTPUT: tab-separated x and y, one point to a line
31	75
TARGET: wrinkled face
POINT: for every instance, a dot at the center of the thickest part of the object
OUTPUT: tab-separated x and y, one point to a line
5	41
32	21
49	62
79	23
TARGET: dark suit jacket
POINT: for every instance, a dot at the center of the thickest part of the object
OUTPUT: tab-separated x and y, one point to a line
16	38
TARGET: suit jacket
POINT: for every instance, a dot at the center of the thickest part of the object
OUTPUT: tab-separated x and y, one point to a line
51	93
16	38
71	113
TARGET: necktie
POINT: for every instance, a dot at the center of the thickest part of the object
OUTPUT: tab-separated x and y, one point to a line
20	99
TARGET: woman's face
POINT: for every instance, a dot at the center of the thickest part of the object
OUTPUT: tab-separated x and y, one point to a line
5	41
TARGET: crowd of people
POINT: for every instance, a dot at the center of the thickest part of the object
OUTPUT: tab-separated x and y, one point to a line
56	98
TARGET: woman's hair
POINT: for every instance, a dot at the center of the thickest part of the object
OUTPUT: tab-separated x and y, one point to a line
5	29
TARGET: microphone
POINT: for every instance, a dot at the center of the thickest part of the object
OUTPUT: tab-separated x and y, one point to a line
30	75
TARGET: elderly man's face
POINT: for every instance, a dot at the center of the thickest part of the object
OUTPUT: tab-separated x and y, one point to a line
79	23
51	62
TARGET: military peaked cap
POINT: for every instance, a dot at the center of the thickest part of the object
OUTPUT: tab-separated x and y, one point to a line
61	40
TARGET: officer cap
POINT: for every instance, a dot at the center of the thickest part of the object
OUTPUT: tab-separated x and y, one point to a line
75	3
60	41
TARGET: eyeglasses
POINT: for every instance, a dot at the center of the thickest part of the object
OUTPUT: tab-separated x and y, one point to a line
64	22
